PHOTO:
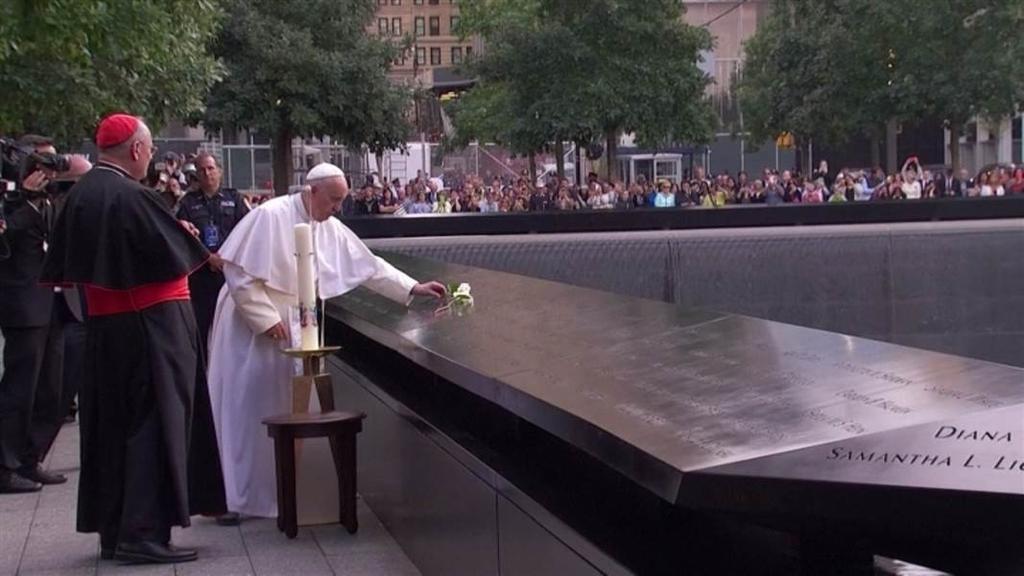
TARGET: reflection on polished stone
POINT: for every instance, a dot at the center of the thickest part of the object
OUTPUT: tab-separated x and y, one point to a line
726	413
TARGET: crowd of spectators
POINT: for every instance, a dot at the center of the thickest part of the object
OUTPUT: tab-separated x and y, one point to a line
426	195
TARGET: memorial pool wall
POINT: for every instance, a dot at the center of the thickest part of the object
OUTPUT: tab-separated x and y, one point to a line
955	287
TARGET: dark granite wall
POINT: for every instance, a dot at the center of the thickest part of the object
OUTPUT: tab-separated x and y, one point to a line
955	287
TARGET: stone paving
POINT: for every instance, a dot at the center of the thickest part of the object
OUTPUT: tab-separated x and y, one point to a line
38	538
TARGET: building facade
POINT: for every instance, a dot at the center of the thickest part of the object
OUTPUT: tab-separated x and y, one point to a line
437	51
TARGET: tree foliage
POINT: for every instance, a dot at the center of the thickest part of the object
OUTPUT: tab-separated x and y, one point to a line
834	69
307	68
66	63
577	70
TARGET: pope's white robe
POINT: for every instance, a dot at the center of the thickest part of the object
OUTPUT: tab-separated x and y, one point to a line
249	377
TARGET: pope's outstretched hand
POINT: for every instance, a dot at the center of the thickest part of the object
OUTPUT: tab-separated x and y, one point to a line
433	289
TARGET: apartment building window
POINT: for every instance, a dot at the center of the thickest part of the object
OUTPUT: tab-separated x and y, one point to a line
456	54
421	56
421	26
434	2
435	25
382	26
396	26
453	24
418	2
435	56
396	2
382	2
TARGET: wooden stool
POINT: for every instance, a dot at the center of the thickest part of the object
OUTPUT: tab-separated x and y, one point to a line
341	429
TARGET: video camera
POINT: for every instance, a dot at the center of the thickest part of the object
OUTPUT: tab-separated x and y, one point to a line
18	161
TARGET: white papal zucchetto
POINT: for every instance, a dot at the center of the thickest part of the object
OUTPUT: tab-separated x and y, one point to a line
324	171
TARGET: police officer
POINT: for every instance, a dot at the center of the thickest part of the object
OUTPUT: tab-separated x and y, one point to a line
214	211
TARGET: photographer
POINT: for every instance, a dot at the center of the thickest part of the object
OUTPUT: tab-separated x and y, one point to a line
31	319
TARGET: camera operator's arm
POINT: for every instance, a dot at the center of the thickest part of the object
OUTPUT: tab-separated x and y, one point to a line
35	182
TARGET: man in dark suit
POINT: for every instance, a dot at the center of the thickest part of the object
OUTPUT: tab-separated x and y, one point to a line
944	184
961	185
30	389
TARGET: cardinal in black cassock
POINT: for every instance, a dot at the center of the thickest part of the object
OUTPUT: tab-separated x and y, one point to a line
118	242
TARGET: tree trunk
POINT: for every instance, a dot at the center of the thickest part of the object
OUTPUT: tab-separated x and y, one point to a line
282	161
892	154
579	163
611	155
379	157
533	169
876	149
560	158
954	146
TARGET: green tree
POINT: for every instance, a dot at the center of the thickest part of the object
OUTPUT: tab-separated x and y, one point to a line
307	68
961	60
577	70
814	69
65	64
803	75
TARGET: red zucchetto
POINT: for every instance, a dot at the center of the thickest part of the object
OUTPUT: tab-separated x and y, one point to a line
116	129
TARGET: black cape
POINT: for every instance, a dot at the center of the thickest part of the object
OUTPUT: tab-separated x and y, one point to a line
142	366
117	234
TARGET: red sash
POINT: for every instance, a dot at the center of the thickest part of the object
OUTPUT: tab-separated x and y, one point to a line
104	301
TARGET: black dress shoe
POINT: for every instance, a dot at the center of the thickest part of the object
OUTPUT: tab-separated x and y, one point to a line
152	553
11	483
37	474
229	519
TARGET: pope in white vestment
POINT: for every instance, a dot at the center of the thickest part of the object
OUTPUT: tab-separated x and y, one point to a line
257	316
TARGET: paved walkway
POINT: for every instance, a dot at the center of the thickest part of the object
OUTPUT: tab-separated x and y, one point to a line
38	538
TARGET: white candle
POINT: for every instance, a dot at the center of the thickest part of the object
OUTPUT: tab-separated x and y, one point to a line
307	286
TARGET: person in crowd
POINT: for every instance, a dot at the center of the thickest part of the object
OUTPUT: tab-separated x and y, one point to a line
420	206
540	199
136	416
564	201
756	194
984	186
997	183
256	317
388	202
963	184
637	197
489	203
700	187
774	194
215	211
813	192
911	173
664	198
602	196
791	187
1016	184
366	204
443	205
838	196
622	197
822	174
682	193
944	184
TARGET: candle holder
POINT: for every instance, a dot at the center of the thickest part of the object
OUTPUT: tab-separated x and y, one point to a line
313	374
